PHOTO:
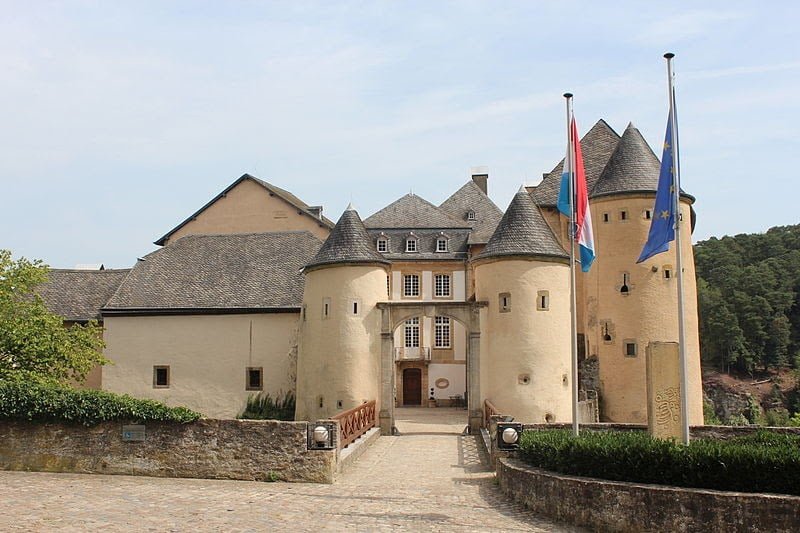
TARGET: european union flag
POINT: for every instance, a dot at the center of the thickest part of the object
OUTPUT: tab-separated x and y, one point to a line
662	225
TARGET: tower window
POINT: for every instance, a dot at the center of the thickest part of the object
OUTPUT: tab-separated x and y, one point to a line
411	285
383	245
667	271
606	217
412	333
326	308
255	378
625	289
504	302
630	348
355	306
607	332
648	214
161	377
623	215
441	332
441	244
543	300
441	285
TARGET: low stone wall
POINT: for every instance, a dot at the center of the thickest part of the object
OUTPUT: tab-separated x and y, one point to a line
616	506
257	450
695	432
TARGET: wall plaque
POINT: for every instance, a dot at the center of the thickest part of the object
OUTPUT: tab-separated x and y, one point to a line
133	433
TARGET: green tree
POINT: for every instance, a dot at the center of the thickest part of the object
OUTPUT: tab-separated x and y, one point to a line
34	344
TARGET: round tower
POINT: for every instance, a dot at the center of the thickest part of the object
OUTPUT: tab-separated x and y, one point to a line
629	305
338	361
523	274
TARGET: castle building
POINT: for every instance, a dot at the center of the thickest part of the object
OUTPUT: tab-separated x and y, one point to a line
415	305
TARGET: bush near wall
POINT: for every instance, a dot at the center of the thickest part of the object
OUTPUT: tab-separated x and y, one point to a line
57	403
763	462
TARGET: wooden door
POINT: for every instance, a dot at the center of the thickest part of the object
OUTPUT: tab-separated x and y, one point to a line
412	386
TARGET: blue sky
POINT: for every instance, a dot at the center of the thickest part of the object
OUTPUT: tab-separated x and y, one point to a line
119	119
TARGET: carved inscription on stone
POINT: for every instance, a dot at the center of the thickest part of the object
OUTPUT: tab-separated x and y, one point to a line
668	406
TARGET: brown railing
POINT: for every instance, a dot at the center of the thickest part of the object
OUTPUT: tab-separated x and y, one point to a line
489	410
355	422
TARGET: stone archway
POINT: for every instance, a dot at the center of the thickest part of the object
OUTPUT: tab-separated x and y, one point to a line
393	314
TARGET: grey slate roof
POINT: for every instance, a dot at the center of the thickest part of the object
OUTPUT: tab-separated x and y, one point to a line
217	272
347	243
78	295
412	212
632	167
487	214
523	231
281	193
426	244
596	146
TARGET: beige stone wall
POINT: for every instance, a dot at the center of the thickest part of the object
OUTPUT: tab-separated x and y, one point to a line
525	341
250	208
339	355
207	354
648	313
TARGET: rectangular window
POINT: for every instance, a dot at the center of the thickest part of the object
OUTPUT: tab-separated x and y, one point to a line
255	379
326	308
667	272
623	215
441	332
354	306
441	284
504	302
411	245
605	217
441	245
630	348
412	333
161	377
543	300
411	285
383	245
648	214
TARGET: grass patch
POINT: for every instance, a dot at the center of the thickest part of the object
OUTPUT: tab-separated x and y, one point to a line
263	407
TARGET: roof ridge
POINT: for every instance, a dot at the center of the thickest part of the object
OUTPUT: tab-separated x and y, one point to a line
388	217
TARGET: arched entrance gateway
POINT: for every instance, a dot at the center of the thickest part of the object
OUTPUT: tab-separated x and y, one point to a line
414	336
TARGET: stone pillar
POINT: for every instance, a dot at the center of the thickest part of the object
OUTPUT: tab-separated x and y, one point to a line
474	382
386	415
664	417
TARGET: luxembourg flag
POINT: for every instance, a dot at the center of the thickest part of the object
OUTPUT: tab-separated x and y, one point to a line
584	235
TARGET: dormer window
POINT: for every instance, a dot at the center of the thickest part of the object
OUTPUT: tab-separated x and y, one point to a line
470	215
441	244
411	243
383	245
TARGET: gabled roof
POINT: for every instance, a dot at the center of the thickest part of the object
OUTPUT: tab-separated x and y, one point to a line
471	197
596	146
249	272
347	243
412	212
288	197
78	294
523	231
632	167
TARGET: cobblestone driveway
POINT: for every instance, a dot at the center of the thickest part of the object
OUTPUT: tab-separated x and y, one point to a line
430	479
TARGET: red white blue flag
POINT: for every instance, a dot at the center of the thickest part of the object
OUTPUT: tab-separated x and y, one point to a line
582	219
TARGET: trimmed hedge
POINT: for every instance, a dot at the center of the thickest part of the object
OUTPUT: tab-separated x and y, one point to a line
57	403
762	462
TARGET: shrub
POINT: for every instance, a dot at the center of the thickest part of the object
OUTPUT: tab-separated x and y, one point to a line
763	462
59	403
263	407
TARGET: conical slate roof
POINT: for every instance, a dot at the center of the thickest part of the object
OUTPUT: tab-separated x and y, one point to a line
633	167
347	243
412	212
523	231
597	146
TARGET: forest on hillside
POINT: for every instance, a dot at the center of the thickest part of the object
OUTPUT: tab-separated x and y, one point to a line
748	290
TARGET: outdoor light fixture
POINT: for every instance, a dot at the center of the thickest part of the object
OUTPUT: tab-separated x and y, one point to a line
508	435
321	435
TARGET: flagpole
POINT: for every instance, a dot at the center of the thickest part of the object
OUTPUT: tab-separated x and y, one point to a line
571	235
679	249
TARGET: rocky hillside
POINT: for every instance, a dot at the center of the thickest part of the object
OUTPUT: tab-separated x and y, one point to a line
768	398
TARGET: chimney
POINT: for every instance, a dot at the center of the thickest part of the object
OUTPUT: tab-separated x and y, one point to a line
480	175
315	210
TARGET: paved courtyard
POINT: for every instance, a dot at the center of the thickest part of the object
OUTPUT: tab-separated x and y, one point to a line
429	478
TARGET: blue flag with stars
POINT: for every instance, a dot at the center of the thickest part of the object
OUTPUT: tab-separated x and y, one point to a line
662	225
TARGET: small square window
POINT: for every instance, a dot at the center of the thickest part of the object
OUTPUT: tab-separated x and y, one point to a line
161	377
630	348
667	271
411	245
647	214
504	302
441	244
383	245
543	300
255	378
